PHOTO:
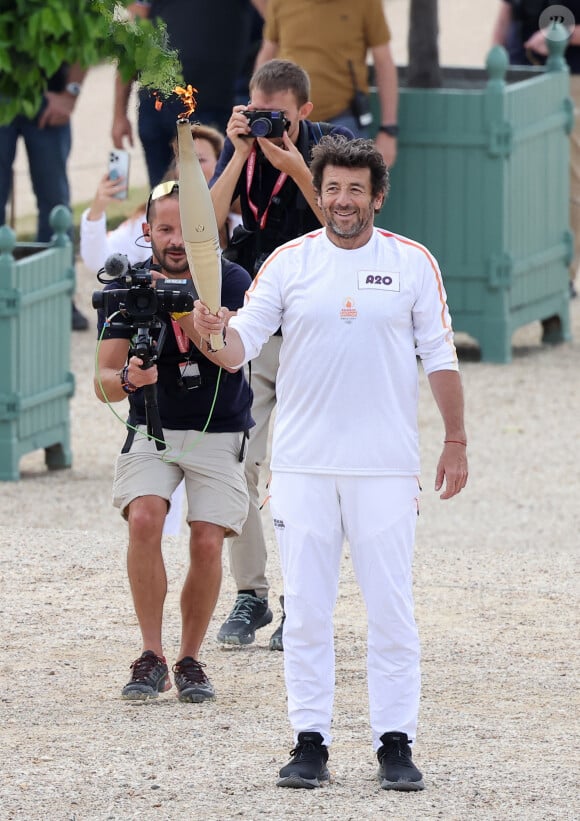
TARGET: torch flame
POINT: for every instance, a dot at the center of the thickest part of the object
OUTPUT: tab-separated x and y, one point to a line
187	98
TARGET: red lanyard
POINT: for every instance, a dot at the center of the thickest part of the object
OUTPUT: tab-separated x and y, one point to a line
282	177
181	337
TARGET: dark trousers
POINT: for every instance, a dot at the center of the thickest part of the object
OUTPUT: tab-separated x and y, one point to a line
48	150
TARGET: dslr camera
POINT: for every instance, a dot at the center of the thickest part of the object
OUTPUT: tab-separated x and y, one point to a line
270	124
142	298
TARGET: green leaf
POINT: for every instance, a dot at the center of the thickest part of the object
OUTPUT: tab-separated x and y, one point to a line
49	59
50	21
45	33
65	19
30	107
5	62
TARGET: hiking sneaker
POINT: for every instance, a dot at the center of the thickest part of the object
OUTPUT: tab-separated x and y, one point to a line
276	640
396	768
150	677
249	613
192	683
307	767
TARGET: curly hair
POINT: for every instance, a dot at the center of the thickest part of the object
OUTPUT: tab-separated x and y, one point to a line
339	151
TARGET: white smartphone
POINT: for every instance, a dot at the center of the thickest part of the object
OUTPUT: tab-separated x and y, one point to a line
119	167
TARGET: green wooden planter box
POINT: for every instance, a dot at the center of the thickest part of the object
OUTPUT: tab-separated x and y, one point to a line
36	284
482	179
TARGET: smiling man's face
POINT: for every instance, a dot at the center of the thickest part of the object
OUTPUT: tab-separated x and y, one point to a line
348	205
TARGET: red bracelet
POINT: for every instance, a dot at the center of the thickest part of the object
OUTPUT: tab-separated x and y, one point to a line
454	442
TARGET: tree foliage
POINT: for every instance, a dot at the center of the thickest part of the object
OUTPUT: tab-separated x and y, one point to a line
38	36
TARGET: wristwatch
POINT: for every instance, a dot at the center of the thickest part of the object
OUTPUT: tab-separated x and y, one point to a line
74	89
391	130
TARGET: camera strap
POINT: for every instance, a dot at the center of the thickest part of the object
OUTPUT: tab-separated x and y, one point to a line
131	422
251	168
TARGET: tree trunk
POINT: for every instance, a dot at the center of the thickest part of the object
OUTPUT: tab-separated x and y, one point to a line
424	70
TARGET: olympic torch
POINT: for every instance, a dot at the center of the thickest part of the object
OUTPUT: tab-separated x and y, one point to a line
199	226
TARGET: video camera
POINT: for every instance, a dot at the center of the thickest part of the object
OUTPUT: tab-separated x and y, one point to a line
141	302
270	124
143	298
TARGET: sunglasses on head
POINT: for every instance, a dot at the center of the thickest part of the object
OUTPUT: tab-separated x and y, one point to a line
163	189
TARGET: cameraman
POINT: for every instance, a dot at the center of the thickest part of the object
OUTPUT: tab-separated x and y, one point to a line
272	180
205	443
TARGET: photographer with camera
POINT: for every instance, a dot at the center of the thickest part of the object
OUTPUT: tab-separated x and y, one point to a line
199	417
265	165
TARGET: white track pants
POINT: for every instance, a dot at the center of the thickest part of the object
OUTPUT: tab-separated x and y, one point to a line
312	516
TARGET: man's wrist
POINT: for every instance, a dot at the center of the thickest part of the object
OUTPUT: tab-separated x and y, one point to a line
392	129
127	386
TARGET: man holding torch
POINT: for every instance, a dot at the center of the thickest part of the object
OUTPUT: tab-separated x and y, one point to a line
357	305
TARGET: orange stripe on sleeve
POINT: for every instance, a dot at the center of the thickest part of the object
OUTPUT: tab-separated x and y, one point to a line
431	261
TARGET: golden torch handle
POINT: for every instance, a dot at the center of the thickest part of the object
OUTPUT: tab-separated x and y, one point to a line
199	226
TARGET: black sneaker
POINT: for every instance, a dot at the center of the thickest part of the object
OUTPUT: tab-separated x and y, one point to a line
79	321
276	639
307	767
249	613
192	683
396	768
149	678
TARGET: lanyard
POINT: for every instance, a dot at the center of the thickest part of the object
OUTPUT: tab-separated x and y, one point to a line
282	177
182	339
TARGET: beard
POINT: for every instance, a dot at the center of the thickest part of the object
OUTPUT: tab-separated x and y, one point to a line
168	265
348	230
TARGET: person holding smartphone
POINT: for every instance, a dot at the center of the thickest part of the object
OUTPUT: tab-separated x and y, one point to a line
97	243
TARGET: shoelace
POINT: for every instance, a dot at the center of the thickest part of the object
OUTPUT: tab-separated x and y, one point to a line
144	666
395	750
304	750
243	607
191	669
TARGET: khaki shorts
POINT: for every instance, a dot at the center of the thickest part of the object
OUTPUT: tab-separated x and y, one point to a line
215	482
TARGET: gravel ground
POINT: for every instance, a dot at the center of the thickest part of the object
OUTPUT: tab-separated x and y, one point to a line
496	594
496	586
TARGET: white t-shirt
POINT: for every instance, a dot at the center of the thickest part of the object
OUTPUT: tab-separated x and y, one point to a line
97	244
353	322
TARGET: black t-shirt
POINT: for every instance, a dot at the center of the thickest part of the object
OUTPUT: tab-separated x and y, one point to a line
526	21
211	37
180	408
